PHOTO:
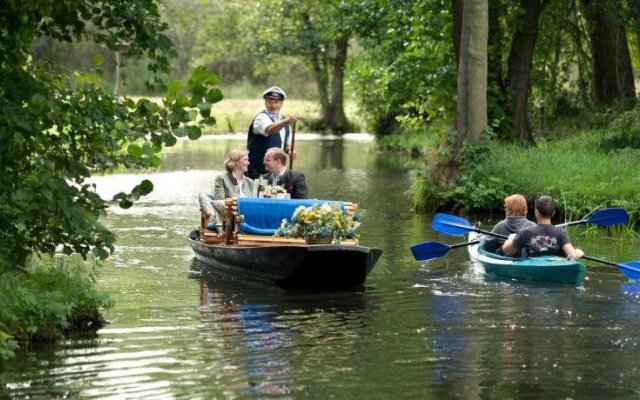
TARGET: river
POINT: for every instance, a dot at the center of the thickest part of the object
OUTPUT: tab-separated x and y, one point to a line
435	330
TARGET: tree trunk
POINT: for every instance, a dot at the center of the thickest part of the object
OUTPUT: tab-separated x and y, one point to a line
472	72
331	93
333	116
519	73
611	62
498	46
318	66
472	87
456	11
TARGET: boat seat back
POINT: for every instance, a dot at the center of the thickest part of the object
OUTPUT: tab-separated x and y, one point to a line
264	216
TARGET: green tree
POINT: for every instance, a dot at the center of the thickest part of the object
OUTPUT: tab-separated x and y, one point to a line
229	39
405	70
317	31
57	128
612	72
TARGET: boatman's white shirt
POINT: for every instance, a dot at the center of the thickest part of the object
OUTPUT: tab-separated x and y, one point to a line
262	121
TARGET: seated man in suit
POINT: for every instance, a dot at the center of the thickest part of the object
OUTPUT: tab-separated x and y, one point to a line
275	162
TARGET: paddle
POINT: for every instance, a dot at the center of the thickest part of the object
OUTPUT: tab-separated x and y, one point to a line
430	250
604	217
630	269
449	224
456	226
293	142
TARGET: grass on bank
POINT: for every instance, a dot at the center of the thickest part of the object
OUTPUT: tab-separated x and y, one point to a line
585	170
576	172
52	299
235	115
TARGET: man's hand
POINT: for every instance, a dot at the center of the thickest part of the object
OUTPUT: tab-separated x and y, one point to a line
287	149
292	119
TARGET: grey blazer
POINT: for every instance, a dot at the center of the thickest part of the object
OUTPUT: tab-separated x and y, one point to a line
225	186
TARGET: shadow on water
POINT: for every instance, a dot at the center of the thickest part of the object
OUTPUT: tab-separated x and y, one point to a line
218	288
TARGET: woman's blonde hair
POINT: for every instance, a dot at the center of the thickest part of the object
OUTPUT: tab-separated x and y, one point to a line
516	204
233	157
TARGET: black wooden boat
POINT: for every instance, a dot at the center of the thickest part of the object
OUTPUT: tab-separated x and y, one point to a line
290	265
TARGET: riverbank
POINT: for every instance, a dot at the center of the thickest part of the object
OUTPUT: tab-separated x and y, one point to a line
583	168
51	299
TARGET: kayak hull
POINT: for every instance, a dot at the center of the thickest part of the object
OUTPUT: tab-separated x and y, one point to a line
551	269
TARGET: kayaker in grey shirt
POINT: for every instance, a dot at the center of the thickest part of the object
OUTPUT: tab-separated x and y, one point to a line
515	209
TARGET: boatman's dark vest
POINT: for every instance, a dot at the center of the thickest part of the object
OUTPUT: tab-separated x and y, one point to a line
259	144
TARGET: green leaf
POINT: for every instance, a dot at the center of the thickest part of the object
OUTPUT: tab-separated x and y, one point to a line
170	140
146	187
214	95
125	203
134	150
210	121
194	132
172	91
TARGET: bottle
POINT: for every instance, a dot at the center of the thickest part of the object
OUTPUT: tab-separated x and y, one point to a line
260	189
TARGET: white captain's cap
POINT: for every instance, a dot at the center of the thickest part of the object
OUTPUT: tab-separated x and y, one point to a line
274	92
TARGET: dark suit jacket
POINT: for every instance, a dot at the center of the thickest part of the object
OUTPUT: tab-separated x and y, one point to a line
293	182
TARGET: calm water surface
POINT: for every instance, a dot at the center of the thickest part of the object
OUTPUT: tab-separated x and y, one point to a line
439	330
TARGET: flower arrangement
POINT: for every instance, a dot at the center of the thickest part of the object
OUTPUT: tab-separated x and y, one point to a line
274	192
320	221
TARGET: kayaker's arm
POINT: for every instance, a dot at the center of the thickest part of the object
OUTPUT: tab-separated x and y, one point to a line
507	246
571	252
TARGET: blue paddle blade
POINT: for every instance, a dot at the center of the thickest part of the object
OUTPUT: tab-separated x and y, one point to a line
429	250
631	270
609	216
451	225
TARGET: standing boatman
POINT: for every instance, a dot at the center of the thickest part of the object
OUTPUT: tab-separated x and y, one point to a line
269	129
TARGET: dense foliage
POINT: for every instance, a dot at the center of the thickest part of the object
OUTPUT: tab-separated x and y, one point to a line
594	166
53	298
57	128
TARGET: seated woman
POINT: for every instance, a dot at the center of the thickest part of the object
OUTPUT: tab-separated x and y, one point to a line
515	209
232	183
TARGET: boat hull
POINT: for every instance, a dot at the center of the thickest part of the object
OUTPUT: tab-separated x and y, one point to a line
551	269
291	266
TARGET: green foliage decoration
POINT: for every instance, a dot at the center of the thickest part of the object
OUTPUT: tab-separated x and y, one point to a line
57	129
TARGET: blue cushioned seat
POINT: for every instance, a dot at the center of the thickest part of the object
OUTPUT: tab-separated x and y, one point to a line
264	216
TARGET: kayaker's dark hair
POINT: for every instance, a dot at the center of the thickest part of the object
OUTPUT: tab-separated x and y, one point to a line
546	206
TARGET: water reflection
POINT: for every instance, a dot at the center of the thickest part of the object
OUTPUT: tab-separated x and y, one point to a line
257	327
631	289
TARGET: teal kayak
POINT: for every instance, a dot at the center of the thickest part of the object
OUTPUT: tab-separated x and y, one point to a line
542	269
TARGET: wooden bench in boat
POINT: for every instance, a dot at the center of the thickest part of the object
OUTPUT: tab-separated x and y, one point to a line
238	230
